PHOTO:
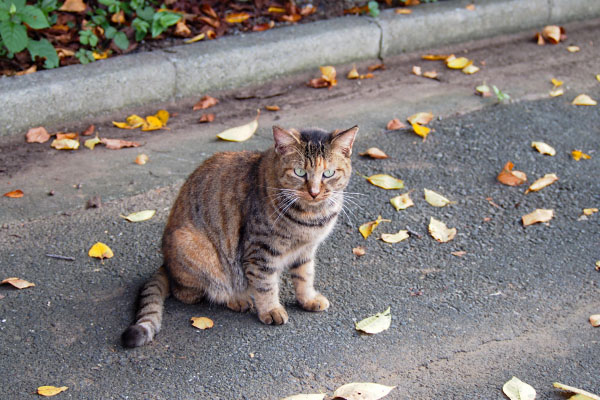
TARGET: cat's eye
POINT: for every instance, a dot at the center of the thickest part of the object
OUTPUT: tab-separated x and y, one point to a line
328	173
300	172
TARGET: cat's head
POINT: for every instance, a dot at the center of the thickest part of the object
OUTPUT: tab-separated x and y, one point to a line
314	163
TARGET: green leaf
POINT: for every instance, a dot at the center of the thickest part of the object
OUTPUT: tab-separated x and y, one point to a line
14	36
121	41
85	56
110	32
157	28
34	17
43	48
146	13
168	19
4	16
373	9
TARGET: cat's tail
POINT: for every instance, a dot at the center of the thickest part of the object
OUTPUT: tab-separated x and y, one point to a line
149	316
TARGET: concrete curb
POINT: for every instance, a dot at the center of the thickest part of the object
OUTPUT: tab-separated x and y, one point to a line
74	92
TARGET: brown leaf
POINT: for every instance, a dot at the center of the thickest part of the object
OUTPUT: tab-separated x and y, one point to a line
416	70
29	70
17	282
375	67
359	251
89	131
539	39
182	30
14	194
205	102
421	118
236	18
272	108
459	253
207	118
318	83
374	152
553	33
37	135
509	177
73	6
116	144
118	18
263	27
68	135
431	74
141	159
536	216
395	124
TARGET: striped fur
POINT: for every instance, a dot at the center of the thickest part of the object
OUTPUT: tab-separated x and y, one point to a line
242	219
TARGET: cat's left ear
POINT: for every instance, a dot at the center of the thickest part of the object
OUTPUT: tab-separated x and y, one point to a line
285	140
343	141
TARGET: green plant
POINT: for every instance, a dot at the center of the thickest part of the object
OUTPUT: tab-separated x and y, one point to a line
15	17
85	56
500	95
373	9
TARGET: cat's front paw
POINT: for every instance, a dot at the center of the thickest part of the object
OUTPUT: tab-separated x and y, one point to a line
317	303
240	305
277	316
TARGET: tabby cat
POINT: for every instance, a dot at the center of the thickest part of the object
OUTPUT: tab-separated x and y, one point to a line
241	219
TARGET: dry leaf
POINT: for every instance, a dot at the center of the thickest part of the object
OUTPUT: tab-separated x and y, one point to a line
385	181
89	131
318	83
73	6
556	82
440	232
272	108
557	91
49	391
374	324
141	159
367	228
116	144
202	322
135	121
194	39
595	320
375	67
101	251
69	135
421	130
584	100
416	70
362	391
403	11
435	57
458	63
18	283
578	155
207	118
205	102
394	125
374	152
459	253
139	216
91	143
575	390
402	202
236	18
541	183
470	69
430	74
163	116
539	215
573	49
305	397
395	237
328	74
37	135
421	118
65	144
242	132
589	211
353	74
153	123
276	10
516	389
359	251
436	199
509	177
543	148
552	33
14	194
100	56
33	68
470	7
483	91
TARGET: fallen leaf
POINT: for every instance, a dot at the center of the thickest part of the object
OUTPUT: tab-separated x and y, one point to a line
385	181
539	215
91	143
575	390
236	18
435	57
272	108
573	49
374	324
118	17
100	56
556	82
557	91
509	177
553	33
73	6
49	391
276	10
483	90
459	63
430	74
37	135
318	83
69	135
139	216
543	148
421	130
416	70
122	125
65	144
18	283
181	29
163	116
394	125
305	397
116	144
362	391
101	251
435	199
263	27
194	39
459	253
359	251
516	389
589	211
141	159
308	10
207	118
403	11
367	228
89	131
470	7
470	69
402	202
595	320
202	322
135	121
205	102
153	123
374	152
421	118
584	100
541	183
578	155
242	132
328	74
395	237
440	232
31	69
353	74
14	194
375	67
539	39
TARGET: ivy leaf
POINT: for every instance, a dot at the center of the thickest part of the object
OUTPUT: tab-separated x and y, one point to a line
14	36
121	40
34	17
44	49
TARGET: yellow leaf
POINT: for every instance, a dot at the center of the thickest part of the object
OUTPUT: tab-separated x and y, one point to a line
557	91
194	39
17	282
403	11
372	325
575	390
440	232
430	74
516	389
421	118
402	202
573	49
139	216
470	69
100	56
141	159
539	215
421	130
595	320
236	18
556	82
362	391
584	100
395	237
578	155
459	63
135	121
436	199
367	228
65	144
91	143
240	133
328	74
598	77
385	181
48	391
274	9
353	74
541	183
101	251
122	125
202	322
543	148
73	6
163	116
305	397
552	33
153	124
374	152
435	57
589	211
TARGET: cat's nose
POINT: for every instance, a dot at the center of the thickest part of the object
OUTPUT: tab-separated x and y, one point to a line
313	193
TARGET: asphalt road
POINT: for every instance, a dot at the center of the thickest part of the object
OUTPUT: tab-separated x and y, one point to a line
516	304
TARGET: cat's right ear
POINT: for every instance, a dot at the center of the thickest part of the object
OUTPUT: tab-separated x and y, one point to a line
285	141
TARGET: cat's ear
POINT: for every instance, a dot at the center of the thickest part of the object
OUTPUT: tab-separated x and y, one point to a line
285	141
342	141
